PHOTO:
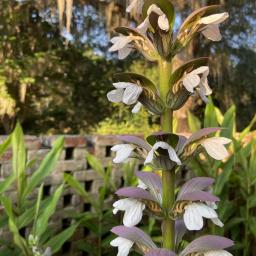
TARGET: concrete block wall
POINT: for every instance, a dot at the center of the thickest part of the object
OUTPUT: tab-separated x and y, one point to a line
72	161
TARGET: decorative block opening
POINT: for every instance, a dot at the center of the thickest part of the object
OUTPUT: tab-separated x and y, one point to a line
108	151
68	172
88	166
22	232
66	247
66	223
88	185
86	231
67	200
69	153
140	167
87	207
46	191
121	182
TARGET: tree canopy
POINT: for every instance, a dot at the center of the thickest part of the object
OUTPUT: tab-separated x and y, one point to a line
53	86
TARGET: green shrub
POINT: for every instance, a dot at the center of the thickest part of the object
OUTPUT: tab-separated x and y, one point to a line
235	177
25	212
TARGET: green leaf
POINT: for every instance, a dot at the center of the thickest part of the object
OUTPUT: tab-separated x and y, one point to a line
193	122
219	115
5	145
248	128
18	239
19	158
229	123
38	203
42	222
57	241
223	178
80	190
210	117
46	167
5	184
95	164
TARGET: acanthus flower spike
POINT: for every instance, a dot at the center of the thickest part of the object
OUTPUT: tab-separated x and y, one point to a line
165	151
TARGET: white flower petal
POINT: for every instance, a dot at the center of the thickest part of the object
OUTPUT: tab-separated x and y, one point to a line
192	220
131	6
154	8
190	81
115	95
122	85
212	32
171	151
136	108
204	87
173	155
163	22
143	27
133	214
212	205
123	152
215	147
205	211
217	222
149	157
202	96
124	52
217	253
124	245
119	42
131	94
115	211
214	18
201	70
141	185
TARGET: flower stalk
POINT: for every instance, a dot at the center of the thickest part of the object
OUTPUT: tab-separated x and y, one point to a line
168	177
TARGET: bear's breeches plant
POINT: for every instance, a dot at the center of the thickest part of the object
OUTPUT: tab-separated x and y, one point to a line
165	152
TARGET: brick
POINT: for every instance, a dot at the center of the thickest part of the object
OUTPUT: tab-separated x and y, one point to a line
80	153
6	157
54	179
37	154
32	142
69	141
85	175
70	165
6	170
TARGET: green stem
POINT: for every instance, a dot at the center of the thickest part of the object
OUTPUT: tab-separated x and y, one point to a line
168	177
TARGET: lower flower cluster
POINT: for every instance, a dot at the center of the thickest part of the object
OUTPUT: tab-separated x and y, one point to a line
194	200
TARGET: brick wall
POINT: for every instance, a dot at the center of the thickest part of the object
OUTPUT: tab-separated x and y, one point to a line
72	161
